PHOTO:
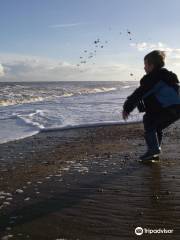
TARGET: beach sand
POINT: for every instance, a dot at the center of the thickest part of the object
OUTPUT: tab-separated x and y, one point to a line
87	184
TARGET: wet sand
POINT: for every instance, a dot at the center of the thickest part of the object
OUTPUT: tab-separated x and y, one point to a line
87	184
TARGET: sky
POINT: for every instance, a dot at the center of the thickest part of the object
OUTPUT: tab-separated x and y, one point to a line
80	40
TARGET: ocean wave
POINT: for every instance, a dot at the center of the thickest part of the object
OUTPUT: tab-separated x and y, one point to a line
30	118
96	90
16	97
15	101
67	95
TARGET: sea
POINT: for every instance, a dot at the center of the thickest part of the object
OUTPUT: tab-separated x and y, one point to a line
27	108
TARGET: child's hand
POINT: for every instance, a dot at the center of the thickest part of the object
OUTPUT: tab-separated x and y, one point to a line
125	115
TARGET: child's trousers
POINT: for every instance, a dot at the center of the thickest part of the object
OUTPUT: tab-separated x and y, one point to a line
154	123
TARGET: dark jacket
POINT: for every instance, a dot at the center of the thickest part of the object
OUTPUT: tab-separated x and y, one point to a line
157	90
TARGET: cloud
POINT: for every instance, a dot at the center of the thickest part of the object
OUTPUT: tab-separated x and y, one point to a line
66	25
33	68
1	70
144	46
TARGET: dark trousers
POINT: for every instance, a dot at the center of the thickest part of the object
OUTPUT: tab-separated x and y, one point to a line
154	123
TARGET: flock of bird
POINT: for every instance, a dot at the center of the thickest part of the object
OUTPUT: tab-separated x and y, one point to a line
97	44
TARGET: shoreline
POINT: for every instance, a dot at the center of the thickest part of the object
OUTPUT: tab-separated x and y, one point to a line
71	127
90	125
88	178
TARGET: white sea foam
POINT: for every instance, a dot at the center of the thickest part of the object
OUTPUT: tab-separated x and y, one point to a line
126	86
30	118
7	102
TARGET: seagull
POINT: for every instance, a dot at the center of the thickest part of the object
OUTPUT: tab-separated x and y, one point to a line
97	41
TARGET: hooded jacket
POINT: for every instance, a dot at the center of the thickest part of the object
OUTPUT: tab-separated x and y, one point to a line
158	89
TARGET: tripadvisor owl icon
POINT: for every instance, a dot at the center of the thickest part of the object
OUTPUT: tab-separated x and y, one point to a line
139	231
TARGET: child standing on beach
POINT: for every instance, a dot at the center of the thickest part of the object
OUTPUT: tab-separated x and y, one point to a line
159	97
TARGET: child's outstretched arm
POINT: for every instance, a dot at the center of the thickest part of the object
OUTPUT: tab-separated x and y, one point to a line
146	83
132	102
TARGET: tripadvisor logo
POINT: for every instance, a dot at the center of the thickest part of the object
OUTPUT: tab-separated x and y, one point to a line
139	231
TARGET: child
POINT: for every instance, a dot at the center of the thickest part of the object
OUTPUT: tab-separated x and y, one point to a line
159	97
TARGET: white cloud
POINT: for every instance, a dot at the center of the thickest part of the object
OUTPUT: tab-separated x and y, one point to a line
1	70
66	25
144	46
32	68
